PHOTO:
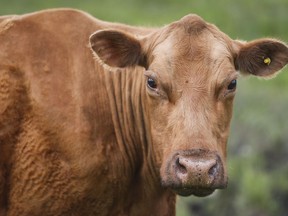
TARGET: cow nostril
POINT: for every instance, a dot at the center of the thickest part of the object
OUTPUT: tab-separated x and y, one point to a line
213	170
180	167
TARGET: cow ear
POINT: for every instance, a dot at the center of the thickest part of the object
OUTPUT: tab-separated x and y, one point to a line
117	49
262	57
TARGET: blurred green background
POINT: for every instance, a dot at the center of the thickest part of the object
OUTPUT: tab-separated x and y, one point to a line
258	145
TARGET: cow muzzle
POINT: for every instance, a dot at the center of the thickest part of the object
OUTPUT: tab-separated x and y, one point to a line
198	172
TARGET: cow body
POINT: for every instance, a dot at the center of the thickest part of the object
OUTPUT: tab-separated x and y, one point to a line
78	137
63	156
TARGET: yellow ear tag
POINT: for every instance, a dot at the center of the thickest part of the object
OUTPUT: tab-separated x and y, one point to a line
267	61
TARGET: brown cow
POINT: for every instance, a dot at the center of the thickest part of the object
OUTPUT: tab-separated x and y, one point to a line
125	132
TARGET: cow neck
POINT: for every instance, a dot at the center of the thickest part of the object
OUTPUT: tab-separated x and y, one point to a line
125	91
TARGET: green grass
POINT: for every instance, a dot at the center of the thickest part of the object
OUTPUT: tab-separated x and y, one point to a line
246	19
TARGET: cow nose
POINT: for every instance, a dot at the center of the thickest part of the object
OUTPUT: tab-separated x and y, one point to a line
195	170
200	171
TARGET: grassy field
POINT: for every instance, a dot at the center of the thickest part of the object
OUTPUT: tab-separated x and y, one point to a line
258	145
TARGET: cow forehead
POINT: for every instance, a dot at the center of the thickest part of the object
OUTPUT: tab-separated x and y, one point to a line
193	47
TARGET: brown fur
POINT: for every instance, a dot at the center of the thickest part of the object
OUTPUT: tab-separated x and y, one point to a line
252	55
78	137
114	42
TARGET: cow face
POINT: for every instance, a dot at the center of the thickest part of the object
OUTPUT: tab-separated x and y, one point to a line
191	72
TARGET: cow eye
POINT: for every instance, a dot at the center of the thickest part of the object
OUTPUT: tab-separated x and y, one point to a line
232	85
151	83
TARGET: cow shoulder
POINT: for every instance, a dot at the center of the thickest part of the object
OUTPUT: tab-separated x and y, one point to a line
14	103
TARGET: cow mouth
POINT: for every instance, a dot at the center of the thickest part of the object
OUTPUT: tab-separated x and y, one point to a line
199	192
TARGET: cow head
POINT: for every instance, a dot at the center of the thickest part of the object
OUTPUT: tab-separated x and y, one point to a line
191	72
